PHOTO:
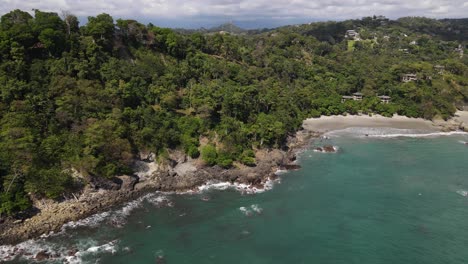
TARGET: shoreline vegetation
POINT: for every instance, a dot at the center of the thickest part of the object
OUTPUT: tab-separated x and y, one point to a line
186	175
94	115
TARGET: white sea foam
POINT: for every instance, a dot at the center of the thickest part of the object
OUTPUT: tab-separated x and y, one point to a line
28	250
382	132
249	211
463	193
91	221
241	187
245	211
118	217
108	247
256	208
424	135
279	172
321	150
159	200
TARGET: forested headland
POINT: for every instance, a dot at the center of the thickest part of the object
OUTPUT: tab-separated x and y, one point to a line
89	98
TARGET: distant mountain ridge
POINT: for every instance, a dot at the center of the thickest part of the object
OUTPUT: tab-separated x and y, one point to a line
228	27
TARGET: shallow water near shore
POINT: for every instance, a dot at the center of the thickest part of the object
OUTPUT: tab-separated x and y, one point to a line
380	199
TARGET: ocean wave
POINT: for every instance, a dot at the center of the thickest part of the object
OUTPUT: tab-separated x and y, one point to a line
33	250
463	193
249	211
118	217
323	150
91	221
280	172
425	135
241	187
29	249
384	132
256	208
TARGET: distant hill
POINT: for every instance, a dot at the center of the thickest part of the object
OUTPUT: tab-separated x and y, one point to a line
226	27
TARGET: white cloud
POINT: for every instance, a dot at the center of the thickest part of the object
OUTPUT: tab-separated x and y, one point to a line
246	10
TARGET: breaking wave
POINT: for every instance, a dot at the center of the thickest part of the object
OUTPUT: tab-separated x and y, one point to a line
52	251
249	211
118	217
367	132
40	250
241	187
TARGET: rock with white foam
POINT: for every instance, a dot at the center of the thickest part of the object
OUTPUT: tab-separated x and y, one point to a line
326	149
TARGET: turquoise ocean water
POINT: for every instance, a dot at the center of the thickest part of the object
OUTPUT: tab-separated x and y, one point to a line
379	200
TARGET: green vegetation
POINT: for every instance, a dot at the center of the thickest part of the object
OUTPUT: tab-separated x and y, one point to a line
351	45
90	98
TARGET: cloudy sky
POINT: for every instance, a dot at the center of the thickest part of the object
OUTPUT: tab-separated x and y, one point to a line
248	13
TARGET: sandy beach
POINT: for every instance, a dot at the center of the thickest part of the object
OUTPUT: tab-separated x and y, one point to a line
330	123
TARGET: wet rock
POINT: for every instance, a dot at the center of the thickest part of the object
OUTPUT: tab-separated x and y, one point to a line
43	255
273	177
326	149
160	260
329	148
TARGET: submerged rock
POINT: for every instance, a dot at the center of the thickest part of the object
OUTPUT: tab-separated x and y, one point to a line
42	255
326	149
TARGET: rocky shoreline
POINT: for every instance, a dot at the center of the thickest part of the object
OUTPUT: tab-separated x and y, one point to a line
178	174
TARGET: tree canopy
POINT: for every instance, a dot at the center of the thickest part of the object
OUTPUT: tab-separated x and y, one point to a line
90	98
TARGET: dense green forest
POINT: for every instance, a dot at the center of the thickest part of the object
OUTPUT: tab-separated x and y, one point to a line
90	98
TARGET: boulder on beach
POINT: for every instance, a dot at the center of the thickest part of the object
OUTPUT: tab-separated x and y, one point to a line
127	182
106	184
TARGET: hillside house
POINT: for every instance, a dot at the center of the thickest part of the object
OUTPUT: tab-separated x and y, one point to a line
439	68
357	96
385	99
409	77
352	34
345	98
460	50
406	51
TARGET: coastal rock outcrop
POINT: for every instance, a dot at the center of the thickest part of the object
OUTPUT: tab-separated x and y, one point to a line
179	173
105	184
127	182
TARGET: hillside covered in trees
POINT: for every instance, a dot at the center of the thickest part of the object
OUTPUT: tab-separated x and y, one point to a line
89	98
